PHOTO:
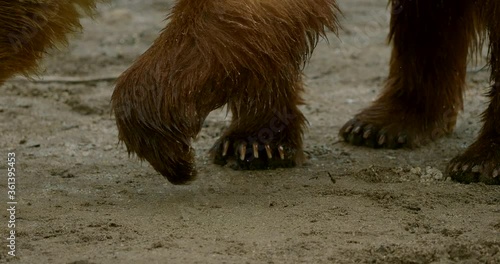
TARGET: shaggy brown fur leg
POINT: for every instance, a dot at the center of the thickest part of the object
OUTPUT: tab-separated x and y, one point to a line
248	54
158	110
481	161
266	132
423	93
29	28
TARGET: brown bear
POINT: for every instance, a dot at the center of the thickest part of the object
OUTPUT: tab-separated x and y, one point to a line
247	55
28	28
423	93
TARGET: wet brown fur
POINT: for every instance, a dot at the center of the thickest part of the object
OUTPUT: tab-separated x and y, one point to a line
423	93
28	28
246	54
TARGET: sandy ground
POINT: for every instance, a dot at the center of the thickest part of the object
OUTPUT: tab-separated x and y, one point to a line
81	199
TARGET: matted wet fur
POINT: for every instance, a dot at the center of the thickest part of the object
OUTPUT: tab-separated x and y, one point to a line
28	28
423	93
246	54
